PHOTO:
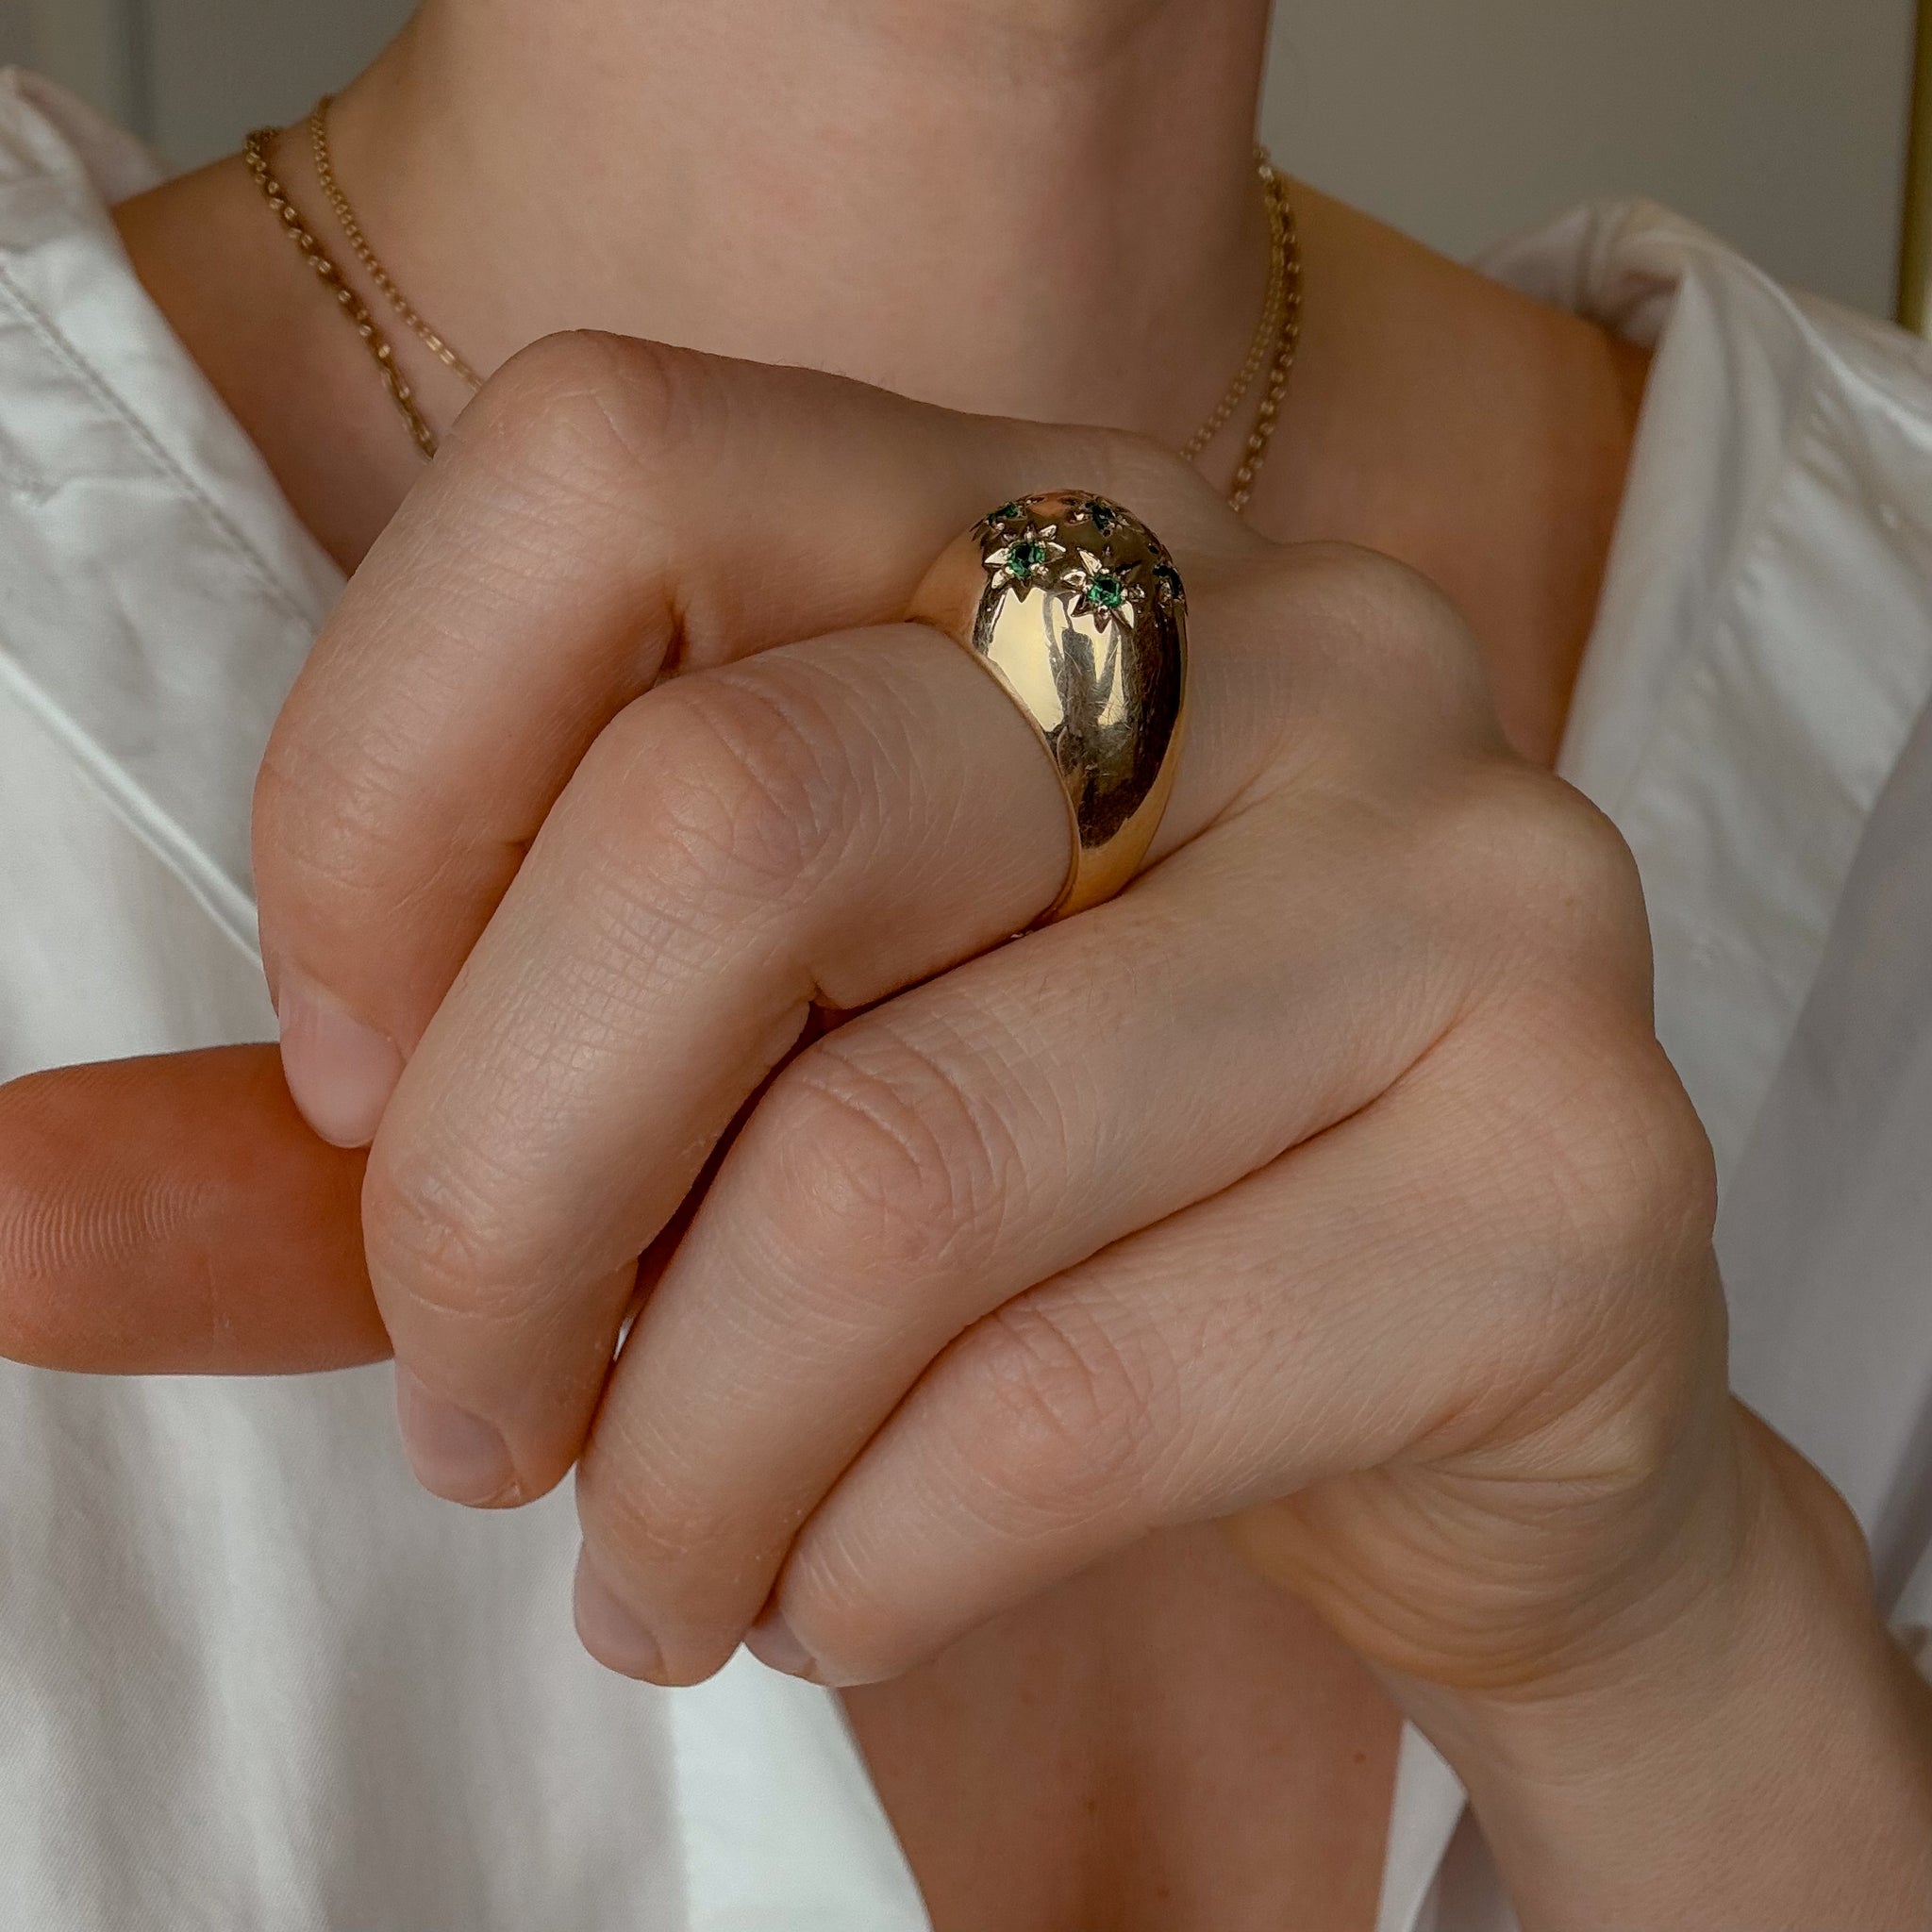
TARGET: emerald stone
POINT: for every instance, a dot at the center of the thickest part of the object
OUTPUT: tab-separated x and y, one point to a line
1106	590
1102	517
1005	514
1025	557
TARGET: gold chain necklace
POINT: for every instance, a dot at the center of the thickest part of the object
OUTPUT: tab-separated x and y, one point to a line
1275	342
1276	339
256	154
346	219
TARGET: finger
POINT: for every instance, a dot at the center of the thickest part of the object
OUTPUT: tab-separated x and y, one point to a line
606	512
736	848
1311	1325
935	1157
827	824
175	1215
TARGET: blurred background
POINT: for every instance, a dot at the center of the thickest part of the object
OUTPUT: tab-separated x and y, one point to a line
1784	124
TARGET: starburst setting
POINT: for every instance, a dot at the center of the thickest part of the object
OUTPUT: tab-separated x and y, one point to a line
1109	592
1091	554
1105	517
1027	558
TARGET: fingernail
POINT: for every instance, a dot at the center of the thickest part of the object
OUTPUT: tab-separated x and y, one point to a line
340	1072
609	1632
772	1641
456	1455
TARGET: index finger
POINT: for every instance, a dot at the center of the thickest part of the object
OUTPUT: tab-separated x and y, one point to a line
607	514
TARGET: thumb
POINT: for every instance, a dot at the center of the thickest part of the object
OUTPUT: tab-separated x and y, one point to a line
175	1215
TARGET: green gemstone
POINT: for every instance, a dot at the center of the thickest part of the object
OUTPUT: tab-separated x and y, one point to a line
1102	516
1005	514
1025	557
1106	590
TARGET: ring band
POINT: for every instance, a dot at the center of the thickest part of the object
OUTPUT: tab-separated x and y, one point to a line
1076	610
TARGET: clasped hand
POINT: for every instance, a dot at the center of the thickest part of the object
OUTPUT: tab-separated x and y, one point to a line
642	889
1334	1168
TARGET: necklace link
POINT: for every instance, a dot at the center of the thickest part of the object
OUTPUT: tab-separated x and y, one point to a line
345	219
256	154
1287	341
1267	327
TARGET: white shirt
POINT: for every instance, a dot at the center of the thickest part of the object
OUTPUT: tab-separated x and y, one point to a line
251	1677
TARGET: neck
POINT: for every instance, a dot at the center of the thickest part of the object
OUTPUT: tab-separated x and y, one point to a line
1030	208
1037	208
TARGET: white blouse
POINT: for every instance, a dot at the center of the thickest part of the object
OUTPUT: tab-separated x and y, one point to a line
251	1677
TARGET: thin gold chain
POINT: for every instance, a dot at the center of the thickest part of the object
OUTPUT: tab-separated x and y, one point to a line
1266	327
256	155
1274	345
352	229
1287	346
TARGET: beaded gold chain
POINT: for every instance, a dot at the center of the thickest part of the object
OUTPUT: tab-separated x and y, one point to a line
256	154
346	219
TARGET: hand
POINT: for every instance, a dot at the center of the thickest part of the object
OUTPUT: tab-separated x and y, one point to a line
1336	1161
1331	1174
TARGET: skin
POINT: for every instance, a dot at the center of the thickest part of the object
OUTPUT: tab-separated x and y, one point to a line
1435	416
1132	1720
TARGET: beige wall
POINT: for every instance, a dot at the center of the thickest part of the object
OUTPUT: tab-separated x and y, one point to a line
1779	123
16	44
221	67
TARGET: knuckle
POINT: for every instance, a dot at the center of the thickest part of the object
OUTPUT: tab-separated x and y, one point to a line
1657	1178
653	1525
1141	470
1608	1151
438	1237
1632	1392
1061	1432
577	447
1584	874
1366	672
586	444
717	790
1643	1421
326	830
890	1166
1627	1168
1548	876
1385	626
574	406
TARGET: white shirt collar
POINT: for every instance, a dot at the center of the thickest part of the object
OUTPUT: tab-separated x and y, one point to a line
140	512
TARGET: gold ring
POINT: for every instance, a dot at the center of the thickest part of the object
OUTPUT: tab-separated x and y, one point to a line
1075	607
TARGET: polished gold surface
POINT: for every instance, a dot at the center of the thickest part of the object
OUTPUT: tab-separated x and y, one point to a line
1076	610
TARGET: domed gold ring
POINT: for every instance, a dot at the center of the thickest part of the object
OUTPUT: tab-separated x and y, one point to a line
1076	610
